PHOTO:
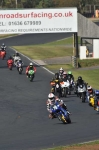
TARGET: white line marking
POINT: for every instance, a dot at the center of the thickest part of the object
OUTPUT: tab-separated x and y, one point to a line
48	70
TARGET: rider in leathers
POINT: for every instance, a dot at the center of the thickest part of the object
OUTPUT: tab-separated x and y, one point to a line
16	58
30	67
3	49
51	102
19	62
10	61
80	81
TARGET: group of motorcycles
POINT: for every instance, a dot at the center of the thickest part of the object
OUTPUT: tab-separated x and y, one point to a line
12	62
61	87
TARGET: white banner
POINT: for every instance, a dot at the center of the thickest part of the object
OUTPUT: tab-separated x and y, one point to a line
59	20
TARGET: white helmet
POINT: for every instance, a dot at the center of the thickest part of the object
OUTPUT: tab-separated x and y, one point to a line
51	96
61	69
31	64
89	87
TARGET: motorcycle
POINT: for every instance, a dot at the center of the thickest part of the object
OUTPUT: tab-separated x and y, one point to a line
81	92
91	100
2	54
31	75
62	114
10	65
96	106
55	89
20	68
71	82
65	88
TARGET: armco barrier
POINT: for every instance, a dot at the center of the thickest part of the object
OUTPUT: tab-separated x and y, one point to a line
74	61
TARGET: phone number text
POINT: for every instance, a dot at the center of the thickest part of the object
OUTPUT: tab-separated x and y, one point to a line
17	23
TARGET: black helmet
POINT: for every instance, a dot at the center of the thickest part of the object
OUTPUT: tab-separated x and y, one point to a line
16	54
56	75
79	78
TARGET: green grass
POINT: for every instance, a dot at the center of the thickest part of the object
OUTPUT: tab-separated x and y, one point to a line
44	51
88	62
66	41
7	35
90	76
71	147
56	67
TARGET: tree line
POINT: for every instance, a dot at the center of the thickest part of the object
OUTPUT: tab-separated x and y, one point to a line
80	4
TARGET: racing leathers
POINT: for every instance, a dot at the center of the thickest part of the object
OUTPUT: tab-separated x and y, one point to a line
16	58
56	85
3	49
9	61
77	83
51	105
19	63
29	68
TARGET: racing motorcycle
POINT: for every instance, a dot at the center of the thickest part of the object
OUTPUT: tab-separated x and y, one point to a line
20	68
55	89
81	92
65	88
2	54
71	82
10	65
91	100
31	75
96	105
62	114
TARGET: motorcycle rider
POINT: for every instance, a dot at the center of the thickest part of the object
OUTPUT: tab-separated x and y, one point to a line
16	58
65	77
90	92
19	62
10	61
96	103
3	48
70	75
79	81
61	70
30	67
56	80
51	102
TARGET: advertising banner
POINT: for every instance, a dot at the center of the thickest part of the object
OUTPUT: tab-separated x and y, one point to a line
60	20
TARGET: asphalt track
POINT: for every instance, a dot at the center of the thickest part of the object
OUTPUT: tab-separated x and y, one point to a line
24	122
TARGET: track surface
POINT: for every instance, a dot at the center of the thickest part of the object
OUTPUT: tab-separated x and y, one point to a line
24	123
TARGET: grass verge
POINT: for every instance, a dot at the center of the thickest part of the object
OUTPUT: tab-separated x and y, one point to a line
86	146
6	35
88	62
44	51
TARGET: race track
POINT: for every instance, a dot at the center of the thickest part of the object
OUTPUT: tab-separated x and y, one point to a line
24	122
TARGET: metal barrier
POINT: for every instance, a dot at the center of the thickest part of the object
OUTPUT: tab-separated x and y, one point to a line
74	61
